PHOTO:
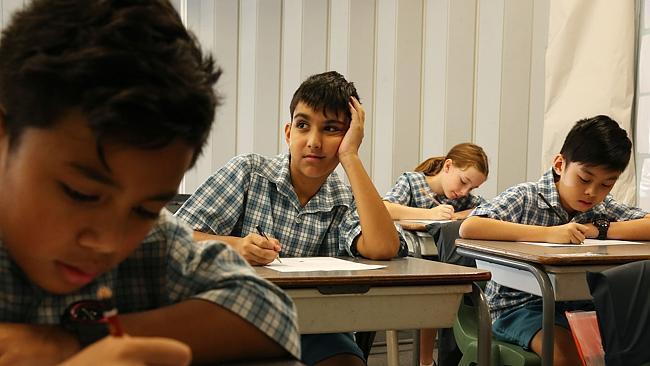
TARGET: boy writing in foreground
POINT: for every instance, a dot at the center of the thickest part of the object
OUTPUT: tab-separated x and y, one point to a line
594	154
298	200
103	107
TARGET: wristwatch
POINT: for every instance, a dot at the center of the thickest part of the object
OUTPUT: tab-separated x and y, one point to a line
602	224
85	320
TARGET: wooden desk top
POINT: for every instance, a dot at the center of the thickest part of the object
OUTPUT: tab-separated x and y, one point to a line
564	255
398	272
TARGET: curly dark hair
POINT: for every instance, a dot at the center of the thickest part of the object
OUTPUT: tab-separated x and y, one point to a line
130	66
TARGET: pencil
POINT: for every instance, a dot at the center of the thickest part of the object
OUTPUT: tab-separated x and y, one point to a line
105	295
553	209
259	231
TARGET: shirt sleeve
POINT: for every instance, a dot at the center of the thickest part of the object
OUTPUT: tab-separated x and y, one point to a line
507	206
621	212
212	271
401	191
217	205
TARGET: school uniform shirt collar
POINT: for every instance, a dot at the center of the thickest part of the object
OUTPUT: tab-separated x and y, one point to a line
332	193
546	186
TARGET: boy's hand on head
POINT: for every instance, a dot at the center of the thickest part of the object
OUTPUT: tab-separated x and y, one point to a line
133	351
30	344
352	140
572	233
442	212
258	250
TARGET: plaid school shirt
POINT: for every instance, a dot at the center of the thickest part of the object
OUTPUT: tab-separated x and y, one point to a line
252	190
167	268
413	190
521	204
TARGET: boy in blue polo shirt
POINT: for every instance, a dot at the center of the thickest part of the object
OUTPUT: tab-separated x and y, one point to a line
104	105
569	203
299	201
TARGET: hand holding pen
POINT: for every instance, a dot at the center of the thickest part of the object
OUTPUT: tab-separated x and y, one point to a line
440	211
257	248
567	231
259	231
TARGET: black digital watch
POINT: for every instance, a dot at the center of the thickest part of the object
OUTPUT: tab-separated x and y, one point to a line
602	224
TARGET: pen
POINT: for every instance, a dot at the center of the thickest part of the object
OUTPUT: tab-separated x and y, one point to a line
110	311
259	231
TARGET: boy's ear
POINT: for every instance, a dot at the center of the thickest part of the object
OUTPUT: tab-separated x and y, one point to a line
559	164
287	133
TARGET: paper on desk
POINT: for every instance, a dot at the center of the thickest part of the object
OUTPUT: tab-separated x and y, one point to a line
588	242
308	264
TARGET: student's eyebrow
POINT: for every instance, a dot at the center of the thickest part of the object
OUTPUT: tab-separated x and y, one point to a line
592	174
100	177
93	174
301	115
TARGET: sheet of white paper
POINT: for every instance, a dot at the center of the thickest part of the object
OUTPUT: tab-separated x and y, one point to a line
588	242
425	222
308	264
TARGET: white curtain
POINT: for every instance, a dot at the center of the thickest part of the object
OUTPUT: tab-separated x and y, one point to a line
589	71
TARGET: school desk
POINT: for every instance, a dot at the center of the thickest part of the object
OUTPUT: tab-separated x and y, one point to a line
396	297
556	273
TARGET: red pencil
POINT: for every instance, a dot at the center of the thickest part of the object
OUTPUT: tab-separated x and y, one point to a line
110	314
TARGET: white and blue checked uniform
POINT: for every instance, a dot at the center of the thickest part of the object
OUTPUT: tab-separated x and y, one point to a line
167	268
521	204
252	190
412	189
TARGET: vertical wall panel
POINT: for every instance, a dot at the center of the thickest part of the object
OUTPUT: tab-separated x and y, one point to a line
267	74
487	110
515	86
434	85
361	68
246	88
224	130
291	76
408	79
460	72
536	97
314	37
384	112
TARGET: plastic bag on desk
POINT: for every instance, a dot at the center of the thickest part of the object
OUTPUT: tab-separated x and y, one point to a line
586	334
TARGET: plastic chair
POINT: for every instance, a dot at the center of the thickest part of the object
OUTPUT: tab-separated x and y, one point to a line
502	353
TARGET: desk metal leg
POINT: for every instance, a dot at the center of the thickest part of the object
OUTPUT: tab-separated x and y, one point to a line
485	325
548	296
416	347
392	348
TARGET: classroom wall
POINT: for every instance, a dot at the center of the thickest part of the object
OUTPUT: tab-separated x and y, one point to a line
431	73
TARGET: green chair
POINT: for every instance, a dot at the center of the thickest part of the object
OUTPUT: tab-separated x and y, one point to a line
502	353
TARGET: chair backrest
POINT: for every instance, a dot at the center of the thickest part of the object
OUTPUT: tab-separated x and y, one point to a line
176	202
622	300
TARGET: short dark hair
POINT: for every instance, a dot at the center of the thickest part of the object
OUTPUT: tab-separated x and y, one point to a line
598	141
327	92
129	66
